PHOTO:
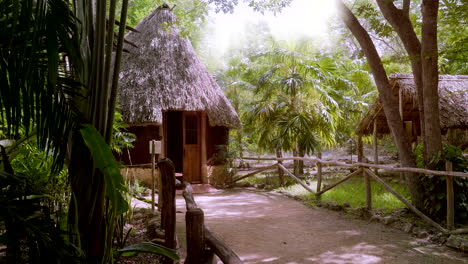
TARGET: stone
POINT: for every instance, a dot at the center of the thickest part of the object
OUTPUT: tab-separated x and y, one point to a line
336	207
146	192
152	228
458	242
375	218
388	220
408	227
454	241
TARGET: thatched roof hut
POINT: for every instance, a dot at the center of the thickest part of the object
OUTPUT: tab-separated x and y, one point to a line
166	94
453	105
164	73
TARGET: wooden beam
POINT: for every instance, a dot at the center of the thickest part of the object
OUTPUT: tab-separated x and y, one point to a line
408	204
341	181
376	146
368	186
450	197
389	168
204	170
319	173
253	173
168	214
225	254
188	196
195	231
294	177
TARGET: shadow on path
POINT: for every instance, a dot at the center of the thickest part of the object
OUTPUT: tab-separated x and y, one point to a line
264	227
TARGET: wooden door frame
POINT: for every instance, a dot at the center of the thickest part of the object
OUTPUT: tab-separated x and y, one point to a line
199	141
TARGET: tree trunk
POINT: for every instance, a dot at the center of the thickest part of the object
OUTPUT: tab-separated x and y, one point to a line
389	102
400	21
430	77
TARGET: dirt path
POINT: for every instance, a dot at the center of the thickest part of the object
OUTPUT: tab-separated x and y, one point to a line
264	227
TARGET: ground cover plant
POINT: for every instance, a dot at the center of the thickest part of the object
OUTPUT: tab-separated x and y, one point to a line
351	192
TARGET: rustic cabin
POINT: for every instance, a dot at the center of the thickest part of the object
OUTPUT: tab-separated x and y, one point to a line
167	94
453	107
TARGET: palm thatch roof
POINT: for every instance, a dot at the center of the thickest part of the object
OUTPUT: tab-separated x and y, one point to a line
453	104
164	73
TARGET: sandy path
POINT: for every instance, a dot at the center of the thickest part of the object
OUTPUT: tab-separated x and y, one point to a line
265	227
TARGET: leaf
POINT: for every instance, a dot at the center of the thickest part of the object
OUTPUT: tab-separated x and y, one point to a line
105	162
148	247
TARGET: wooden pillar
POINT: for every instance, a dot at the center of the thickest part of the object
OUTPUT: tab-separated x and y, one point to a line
279	154
319	172
168	214
153	165
163	142
450	197
400	103
376	146
364	174
204	170
194	221
400	108
360	149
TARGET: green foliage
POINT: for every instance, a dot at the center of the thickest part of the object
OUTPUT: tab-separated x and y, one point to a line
34	89
227	6
148	247
36	165
121	138
105	162
435	186
31	229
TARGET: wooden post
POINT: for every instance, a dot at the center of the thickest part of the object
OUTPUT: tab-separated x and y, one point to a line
279	154
203	151
376	146
195	236
153	164
360	149
365	175
319	173
403	200
168	214
450	197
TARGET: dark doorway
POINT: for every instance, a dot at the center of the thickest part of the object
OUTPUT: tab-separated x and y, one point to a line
173	126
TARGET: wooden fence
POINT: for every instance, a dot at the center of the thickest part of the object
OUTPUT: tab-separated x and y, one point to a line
365	170
202	244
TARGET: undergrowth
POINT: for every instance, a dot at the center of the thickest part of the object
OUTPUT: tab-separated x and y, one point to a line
351	191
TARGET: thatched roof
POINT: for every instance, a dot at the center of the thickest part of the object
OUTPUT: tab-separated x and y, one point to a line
453	104
164	73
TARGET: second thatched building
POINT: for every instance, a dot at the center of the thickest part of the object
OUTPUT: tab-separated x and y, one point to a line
166	94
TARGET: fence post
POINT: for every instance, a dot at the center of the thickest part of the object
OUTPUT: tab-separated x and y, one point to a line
360	150
194	218
450	197
279	154
319	173
168	213
376	147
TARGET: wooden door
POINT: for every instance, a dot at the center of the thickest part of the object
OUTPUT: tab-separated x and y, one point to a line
192	153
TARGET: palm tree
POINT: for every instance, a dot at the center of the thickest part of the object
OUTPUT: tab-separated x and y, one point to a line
296	111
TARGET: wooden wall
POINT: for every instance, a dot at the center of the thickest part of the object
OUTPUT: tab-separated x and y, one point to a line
216	138
139	154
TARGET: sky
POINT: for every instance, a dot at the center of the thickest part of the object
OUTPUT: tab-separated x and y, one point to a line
302	18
